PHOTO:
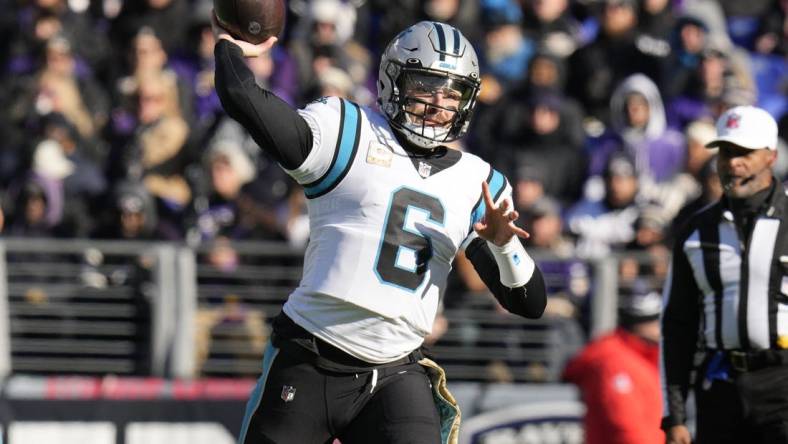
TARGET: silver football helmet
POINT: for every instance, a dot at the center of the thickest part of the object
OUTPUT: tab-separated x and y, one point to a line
427	60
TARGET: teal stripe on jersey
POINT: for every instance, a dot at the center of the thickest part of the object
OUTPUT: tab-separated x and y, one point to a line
497	183
256	396
347	144
441	40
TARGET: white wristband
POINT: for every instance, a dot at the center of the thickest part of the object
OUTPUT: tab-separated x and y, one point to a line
514	264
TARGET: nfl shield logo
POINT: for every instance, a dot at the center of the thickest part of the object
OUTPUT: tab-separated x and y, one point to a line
733	121
424	169
288	393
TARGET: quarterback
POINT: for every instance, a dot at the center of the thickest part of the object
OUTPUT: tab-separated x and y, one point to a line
389	207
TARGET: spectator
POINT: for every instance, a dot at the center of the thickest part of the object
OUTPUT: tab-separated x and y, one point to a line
165	18
324	41
713	87
650	229
133	216
711	191
155	154
148	57
546	73
567	279
40	21
529	186
688	40
618	376
742	19
229	168
60	60
603	224
615	54
194	67
79	179
770	70
656	21
506	50
37	207
551	26
230	318
335	82
697	134
772	34
531	130
56	87
546	227
86	182
638	127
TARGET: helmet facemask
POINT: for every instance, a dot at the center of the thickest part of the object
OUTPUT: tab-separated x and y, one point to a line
433	106
428	83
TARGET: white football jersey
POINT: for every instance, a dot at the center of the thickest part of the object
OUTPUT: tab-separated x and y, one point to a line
385	228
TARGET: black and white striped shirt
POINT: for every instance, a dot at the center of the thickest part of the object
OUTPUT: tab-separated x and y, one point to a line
727	289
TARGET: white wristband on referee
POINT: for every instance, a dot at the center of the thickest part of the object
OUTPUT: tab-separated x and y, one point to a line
514	264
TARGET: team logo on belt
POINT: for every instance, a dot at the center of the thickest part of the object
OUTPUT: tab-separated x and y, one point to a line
425	169
288	393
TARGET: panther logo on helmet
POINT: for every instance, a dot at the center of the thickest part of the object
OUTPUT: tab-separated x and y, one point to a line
429	70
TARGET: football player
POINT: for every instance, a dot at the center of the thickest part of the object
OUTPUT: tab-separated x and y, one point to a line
389	206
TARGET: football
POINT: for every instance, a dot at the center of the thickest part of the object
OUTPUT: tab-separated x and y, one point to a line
253	21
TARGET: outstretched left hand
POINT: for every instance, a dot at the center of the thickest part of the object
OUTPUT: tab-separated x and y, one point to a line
497	225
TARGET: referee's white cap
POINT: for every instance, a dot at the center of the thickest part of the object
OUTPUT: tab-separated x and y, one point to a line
748	127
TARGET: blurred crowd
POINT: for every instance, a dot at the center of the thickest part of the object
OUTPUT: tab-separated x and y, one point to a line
596	110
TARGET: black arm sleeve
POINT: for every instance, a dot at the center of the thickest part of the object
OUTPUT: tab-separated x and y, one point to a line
528	301
276	127
680	322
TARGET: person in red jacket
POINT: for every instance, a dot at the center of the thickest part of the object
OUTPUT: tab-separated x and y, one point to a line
618	376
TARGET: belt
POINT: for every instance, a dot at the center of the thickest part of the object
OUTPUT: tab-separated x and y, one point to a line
295	340
748	361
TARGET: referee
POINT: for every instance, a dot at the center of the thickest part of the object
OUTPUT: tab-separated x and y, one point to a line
726	298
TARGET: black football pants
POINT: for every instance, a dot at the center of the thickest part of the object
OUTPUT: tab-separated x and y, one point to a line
753	409
295	402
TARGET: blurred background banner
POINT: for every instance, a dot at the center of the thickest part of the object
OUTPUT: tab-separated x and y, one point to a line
113	410
532	422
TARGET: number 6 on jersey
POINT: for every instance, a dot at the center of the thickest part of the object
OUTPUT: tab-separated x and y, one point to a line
404	248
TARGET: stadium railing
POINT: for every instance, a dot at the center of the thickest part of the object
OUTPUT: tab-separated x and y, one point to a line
167	310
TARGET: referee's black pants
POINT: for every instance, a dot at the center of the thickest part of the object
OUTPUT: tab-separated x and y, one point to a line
298	401
751	408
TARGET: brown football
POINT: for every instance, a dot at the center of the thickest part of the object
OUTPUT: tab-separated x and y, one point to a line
253	21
